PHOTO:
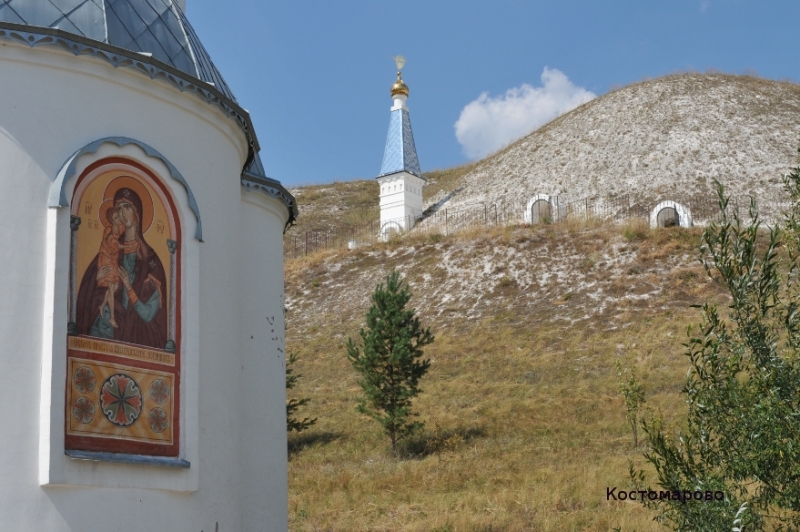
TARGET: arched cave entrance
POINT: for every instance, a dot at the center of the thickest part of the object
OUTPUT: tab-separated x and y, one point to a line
668	217
541	212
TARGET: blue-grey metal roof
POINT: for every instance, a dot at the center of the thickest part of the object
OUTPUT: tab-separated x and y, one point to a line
400	154
157	27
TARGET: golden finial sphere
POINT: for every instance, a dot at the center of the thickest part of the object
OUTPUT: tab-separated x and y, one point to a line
399	87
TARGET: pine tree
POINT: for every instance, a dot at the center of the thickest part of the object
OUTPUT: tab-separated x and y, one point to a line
390	360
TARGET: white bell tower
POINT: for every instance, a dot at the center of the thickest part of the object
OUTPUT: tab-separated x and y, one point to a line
400	179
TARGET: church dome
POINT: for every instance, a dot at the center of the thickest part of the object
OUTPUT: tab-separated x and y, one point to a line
155	27
152	37
399	87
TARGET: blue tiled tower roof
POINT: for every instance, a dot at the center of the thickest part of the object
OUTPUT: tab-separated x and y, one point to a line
400	154
157	27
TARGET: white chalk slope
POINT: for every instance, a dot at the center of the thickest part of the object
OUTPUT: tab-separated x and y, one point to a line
666	138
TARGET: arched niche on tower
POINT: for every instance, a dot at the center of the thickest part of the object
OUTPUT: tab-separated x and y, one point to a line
391	227
121	363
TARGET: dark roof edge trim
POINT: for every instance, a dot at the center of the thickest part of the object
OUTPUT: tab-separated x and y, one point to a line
400	172
155	69
274	189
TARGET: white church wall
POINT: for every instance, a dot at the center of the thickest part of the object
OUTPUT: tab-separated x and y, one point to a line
264	450
391	203
400	201
55	104
413	196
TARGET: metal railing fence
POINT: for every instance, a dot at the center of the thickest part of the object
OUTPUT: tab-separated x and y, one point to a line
704	209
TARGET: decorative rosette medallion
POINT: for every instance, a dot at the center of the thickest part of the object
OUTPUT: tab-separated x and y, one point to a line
83	410
159	391
121	400
84	379
157	419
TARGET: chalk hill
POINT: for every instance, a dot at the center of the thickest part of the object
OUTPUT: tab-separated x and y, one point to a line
667	138
565	275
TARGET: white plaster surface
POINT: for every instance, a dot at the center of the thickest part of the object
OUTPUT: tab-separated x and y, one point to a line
233	387
400	200
399	102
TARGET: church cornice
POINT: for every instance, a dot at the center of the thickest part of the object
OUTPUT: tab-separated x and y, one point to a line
273	189
390	174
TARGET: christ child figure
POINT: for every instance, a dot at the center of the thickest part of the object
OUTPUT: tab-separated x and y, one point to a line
109	256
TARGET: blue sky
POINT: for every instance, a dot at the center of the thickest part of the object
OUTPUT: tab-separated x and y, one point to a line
315	75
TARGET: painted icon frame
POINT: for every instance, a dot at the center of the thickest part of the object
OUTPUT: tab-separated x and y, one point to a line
123	384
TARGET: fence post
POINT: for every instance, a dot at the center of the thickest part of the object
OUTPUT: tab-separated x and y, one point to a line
445	221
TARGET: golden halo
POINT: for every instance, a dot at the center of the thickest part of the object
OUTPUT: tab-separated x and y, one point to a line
137	186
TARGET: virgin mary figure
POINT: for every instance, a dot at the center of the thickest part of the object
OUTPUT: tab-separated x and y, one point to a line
139	302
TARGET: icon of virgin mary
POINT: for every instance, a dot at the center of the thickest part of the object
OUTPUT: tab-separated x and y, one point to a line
139	315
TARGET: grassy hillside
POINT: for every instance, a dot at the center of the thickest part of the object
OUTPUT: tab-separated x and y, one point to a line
525	428
340	203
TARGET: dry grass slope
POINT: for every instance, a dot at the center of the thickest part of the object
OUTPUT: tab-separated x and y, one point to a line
524	425
355	203
340	203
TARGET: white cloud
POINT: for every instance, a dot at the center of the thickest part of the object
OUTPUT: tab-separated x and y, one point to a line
487	124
